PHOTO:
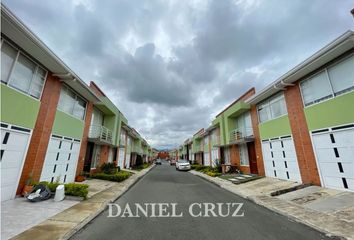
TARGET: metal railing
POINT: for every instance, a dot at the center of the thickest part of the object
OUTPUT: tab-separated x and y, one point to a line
240	134
100	133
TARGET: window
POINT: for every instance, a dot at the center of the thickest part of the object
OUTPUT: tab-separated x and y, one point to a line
96	156
244	124
330	82
71	103
272	108
244	161
316	89
227	155
20	72
8	55
342	76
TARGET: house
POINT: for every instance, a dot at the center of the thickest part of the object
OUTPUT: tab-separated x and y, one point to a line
198	147
234	135
53	125
306	119
44	105
104	131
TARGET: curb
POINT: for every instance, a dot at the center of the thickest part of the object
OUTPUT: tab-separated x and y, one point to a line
104	205
278	211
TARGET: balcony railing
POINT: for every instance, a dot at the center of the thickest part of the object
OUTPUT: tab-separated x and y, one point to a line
100	133
241	134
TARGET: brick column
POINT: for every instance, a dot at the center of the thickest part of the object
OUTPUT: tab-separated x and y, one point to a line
257	141
104	154
84	140
42	131
301	136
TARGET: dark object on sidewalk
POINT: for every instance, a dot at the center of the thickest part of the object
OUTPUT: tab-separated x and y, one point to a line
39	193
283	191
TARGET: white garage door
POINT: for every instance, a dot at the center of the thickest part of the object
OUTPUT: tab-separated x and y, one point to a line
335	158
61	160
206	159
14	144
121	157
280	159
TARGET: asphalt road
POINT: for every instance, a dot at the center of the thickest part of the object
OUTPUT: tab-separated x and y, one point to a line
164	184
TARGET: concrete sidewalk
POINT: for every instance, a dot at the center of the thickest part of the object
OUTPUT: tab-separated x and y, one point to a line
64	224
327	210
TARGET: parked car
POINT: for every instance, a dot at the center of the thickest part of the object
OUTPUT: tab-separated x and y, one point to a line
158	162
183	164
173	162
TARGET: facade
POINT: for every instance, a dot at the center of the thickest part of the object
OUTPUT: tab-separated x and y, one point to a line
53	125
42	128
312	138
299	128
236	135
198	147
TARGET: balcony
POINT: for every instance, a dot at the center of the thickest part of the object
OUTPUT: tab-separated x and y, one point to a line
241	135
197	149
137	150
100	134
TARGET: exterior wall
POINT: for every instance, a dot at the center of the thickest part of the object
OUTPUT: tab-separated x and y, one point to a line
18	108
42	131
66	125
300	133
274	128
84	140
257	141
332	112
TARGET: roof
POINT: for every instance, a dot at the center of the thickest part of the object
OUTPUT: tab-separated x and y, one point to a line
331	51
238	99
21	35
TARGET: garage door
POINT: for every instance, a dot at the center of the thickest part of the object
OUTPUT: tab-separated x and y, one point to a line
335	157
206	159
280	159
61	160
121	157
14	143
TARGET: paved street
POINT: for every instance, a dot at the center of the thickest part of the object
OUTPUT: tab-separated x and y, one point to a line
165	185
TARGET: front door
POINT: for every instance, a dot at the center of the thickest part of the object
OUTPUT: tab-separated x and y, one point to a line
252	157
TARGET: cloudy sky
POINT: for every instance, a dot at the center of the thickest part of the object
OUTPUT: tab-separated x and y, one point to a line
171	66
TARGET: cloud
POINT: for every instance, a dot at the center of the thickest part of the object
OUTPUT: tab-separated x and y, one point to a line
171	67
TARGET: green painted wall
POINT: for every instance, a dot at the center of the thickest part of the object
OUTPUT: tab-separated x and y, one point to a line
18	108
333	112
275	128
68	126
220	122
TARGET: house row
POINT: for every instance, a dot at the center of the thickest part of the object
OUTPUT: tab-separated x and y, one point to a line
299	128
53	125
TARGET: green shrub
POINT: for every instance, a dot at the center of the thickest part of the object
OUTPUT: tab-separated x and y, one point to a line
76	189
213	174
117	177
141	167
71	189
109	168
194	166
